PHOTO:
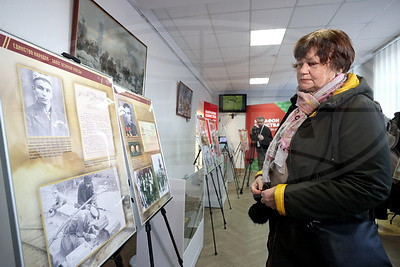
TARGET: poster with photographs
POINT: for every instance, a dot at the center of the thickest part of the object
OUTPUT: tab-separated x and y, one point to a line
80	215
214	140
60	122
244	140
207	156
143	151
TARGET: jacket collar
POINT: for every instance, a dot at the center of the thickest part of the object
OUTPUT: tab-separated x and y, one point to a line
355	85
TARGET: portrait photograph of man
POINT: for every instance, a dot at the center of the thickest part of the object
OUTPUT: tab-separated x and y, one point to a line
128	119
44	104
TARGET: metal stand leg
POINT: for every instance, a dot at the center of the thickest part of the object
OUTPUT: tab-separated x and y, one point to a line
211	217
223	182
148	230
164	214
219	198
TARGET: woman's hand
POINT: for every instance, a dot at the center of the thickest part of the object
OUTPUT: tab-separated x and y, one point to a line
257	185
268	197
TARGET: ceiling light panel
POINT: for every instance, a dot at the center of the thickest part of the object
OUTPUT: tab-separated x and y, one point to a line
267	37
259	80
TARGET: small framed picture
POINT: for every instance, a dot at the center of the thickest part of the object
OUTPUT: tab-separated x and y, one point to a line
184	101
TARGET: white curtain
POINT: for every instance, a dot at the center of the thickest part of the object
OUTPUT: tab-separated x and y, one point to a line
387	78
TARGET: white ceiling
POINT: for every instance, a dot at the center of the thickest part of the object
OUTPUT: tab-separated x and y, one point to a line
215	35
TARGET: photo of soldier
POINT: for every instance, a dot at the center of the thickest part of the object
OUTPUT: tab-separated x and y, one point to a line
81	214
160	173
44	104
128	118
147	187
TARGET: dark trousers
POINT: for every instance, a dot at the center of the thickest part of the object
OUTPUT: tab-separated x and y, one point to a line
261	156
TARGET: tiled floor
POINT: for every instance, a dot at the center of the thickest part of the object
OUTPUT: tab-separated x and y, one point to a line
243	242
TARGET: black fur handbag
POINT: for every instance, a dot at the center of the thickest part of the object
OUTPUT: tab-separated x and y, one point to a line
258	212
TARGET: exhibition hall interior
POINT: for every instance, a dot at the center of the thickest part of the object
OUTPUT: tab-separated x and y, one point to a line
134	132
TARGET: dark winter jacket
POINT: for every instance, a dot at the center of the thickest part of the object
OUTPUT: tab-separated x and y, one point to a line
339	159
338	168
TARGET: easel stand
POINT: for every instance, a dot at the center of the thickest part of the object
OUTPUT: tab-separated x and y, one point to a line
219	199
248	168
211	217
230	157
148	231
239	154
116	257
218	196
223	182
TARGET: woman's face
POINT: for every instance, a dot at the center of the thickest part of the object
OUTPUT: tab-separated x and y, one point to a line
311	74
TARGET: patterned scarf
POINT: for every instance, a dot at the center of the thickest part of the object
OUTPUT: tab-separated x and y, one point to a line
278	150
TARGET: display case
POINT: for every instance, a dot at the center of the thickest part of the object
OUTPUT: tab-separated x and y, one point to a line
194	204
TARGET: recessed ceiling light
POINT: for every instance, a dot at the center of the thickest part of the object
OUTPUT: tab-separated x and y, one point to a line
259	80
267	37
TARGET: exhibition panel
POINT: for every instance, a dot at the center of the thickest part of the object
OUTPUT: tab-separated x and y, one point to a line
66	166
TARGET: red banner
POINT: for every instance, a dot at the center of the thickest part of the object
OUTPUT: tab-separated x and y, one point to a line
211	112
272	113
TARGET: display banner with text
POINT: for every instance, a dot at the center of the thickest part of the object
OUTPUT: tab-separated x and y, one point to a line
273	114
211	112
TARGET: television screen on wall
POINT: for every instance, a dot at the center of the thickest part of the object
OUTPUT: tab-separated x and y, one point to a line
232	103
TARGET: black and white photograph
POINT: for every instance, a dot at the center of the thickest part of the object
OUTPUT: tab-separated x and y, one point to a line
128	117
80	215
147	188
135	149
160	173
43	104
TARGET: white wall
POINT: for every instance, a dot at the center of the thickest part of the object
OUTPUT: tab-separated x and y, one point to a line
47	23
229	127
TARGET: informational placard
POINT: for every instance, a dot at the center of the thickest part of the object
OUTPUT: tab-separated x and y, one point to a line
244	140
204	143
61	126
143	151
214	141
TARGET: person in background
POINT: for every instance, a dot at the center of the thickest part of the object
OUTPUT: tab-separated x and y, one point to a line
261	137
41	118
328	164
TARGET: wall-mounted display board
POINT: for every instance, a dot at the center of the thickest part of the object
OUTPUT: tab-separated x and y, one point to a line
143	150
67	172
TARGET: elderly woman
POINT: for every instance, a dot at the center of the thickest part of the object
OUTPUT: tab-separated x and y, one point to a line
328	164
